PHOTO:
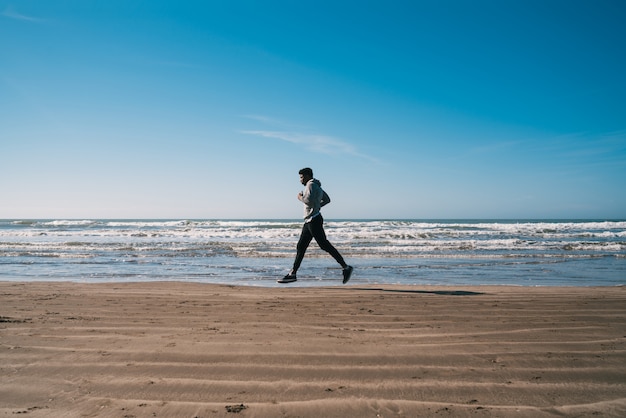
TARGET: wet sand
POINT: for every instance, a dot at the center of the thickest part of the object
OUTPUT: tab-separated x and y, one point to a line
198	350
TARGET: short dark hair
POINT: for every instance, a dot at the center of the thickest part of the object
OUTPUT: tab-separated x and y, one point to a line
306	172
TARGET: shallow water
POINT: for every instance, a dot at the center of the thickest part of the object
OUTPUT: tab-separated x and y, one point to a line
257	252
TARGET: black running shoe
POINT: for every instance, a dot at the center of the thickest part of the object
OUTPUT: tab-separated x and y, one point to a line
347	272
290	278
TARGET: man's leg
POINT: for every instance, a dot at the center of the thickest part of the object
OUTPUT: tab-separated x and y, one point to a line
303	244
317	230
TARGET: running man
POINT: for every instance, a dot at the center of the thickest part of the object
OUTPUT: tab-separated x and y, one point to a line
314	198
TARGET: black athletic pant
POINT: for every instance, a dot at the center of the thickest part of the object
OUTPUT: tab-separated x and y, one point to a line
310	230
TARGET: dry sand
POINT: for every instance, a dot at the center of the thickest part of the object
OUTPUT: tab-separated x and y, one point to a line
198	350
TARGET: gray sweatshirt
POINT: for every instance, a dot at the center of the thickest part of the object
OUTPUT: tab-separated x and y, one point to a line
313	197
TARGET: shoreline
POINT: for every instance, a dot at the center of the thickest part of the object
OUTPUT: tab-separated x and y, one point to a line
194	349
312	284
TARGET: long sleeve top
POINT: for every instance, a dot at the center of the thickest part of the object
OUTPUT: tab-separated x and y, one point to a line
313	197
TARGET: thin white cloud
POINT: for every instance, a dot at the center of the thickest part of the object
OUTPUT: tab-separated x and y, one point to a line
270	121
12	14
316	143
322	144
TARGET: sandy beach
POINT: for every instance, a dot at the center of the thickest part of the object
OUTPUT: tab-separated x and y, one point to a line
168	349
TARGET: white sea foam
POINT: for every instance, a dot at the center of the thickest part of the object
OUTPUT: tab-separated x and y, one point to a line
208	247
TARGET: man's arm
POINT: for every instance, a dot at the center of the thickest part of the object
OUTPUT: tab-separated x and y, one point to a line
306	195
325	199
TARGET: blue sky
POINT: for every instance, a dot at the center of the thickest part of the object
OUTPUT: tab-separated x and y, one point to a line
404	109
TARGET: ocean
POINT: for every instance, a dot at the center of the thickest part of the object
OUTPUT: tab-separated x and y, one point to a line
257	252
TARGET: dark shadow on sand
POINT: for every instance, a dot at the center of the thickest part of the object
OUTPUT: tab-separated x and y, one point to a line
426	292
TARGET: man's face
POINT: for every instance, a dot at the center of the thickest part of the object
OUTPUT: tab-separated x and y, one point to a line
304	179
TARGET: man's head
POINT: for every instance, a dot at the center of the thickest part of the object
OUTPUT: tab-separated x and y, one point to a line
306	174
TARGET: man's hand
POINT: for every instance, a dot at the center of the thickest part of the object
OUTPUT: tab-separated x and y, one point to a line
300	196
